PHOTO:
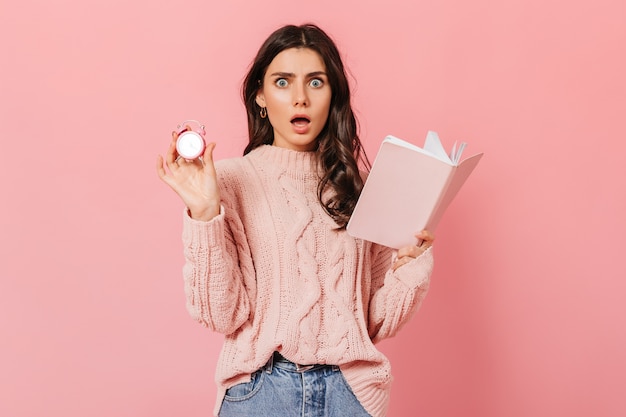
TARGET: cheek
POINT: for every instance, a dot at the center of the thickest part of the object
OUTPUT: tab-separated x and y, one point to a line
326	109
277	98
326	100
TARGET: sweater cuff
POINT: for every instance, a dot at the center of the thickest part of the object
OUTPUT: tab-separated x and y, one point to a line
203	233
417	272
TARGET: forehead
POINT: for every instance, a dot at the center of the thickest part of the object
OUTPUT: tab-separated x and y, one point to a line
297	61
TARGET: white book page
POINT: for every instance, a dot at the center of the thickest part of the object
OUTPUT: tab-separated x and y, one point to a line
432	146
403	143
455	154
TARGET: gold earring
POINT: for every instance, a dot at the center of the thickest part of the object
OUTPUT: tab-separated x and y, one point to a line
263	113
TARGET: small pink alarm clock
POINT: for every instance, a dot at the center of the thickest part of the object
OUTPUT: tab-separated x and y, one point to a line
190	143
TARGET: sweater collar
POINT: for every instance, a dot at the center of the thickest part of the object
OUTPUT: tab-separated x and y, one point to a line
289	160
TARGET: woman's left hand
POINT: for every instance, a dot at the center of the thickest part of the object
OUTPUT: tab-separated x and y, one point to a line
407	253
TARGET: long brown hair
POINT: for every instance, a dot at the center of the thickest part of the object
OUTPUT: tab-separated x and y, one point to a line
339	147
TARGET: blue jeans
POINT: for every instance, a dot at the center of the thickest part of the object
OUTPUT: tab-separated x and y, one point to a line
282	388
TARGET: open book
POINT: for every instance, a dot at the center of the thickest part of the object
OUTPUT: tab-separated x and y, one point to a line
408	189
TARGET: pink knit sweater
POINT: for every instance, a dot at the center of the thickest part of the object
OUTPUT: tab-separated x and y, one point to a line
272	273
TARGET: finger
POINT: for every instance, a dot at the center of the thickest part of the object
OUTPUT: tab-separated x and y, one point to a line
423	244
177	133
159	167
425	235
424	239
400	262
411	251
208	152
172	155
161	171
207	156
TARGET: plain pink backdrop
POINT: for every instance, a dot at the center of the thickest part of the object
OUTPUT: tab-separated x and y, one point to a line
526	312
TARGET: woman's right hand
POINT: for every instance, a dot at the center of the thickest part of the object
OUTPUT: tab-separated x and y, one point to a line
194	181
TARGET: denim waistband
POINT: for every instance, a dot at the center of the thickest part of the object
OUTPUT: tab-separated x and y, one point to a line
281	362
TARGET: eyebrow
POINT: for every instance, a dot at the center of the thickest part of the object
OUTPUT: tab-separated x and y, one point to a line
292	75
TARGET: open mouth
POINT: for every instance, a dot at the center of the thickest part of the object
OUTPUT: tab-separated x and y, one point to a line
300	121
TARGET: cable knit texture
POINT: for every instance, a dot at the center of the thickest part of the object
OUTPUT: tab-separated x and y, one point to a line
272	273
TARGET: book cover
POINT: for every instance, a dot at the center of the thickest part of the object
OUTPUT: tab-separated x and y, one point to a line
408	189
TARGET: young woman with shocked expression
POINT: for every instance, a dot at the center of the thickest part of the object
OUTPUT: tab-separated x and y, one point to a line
268	261
296	96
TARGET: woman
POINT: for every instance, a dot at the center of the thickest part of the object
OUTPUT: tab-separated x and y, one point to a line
268	261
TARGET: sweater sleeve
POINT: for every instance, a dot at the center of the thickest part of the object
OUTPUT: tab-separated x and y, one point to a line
396	295
216	294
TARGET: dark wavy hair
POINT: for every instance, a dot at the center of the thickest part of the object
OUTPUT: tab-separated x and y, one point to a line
339	148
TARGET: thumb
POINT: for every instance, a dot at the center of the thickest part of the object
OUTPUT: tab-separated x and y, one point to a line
207	157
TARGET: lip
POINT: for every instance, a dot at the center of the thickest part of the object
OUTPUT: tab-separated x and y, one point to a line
301	123
300	116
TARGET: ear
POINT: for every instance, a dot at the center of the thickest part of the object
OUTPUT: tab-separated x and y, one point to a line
260	99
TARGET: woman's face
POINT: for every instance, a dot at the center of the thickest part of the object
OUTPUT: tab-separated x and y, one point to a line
296	94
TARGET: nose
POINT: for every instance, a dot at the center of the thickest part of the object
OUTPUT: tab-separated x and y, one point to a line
300	97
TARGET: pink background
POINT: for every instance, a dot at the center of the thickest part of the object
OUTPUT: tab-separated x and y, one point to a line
526	311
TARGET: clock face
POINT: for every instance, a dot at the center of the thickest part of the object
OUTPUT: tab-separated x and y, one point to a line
190	145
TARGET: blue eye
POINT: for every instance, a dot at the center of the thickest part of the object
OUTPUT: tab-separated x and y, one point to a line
281	82
316	83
